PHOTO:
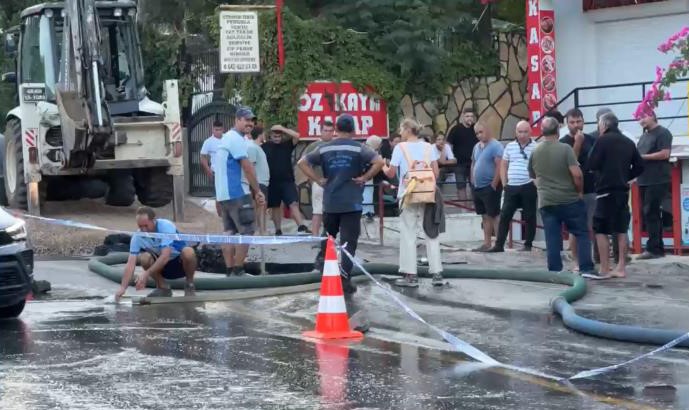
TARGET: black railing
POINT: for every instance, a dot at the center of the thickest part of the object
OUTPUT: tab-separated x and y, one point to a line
622	98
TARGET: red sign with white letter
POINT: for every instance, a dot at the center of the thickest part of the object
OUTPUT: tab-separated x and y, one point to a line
324	101
540	39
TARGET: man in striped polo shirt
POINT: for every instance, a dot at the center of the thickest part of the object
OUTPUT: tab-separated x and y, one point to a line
520	190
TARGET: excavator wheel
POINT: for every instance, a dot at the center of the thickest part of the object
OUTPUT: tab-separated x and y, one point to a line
121	189
15	188
153	186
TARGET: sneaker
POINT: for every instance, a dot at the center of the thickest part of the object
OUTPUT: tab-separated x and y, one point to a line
189	289
481	248
278	232
369	217
160	293
303	229
408	281
526	248
438	279
495	249
229	271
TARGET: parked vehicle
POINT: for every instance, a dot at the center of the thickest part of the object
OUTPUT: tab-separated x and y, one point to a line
16	266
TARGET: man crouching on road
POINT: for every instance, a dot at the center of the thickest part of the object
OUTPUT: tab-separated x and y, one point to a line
161	258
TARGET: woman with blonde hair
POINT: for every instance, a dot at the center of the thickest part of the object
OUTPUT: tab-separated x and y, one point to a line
415	161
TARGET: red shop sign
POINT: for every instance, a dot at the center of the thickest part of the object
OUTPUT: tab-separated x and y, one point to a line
324	101
540	37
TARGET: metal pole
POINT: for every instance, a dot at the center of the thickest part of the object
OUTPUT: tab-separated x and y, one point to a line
381	212
281	46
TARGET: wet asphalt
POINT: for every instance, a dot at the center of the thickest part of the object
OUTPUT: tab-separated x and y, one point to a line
70	350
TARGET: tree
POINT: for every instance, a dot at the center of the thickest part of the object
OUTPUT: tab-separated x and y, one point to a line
426	44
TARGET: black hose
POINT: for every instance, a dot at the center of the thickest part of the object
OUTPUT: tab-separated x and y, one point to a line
104	266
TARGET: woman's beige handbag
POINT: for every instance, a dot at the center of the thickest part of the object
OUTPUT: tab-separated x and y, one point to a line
420	179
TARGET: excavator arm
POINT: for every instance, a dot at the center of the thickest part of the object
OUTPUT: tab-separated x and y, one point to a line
85	117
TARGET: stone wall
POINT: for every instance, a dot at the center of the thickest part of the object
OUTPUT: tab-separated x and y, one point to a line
498	101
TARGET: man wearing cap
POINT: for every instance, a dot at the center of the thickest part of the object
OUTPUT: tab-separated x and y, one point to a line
282	188
343	161
234	192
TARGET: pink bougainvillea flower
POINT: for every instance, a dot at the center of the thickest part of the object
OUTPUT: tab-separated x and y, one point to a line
666	95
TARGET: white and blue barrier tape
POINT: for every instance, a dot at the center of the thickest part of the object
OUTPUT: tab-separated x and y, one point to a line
214	239
457	343
476	354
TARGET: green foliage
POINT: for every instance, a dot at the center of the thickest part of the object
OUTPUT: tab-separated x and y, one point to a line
314	50
426	44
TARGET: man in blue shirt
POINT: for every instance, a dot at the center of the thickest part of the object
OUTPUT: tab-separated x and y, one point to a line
235	181
343	162
161	258
485	179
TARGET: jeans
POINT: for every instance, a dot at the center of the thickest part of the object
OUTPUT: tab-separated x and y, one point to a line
348	225
526	198
573	215
368	207
411	219
652	197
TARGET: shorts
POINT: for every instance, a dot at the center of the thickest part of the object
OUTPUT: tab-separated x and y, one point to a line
612	214
590	203
238	215
281	192
487	201
316	199
173	269
462	172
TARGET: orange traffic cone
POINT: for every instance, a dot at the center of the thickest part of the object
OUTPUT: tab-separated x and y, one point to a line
332	321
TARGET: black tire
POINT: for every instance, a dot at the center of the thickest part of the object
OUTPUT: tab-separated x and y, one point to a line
11	312
121	191
63	189
153	186
93	188
15	190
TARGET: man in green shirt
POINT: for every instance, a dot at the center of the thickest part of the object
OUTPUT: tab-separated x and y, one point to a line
560	185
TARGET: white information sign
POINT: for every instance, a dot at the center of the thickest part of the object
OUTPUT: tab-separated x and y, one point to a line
239	52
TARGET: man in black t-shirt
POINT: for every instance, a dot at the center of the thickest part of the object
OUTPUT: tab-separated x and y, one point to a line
654	146
463	138
282	188
582	145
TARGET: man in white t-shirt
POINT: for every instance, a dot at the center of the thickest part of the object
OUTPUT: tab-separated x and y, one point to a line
520	190
208	150
210	147
327	135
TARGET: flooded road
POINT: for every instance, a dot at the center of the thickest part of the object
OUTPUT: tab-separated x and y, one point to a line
72	351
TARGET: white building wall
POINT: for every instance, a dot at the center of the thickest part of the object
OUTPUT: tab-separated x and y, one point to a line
614	46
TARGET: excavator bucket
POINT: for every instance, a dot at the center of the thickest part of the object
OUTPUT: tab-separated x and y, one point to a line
74	122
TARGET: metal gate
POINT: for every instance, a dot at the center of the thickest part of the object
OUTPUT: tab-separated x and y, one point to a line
200	128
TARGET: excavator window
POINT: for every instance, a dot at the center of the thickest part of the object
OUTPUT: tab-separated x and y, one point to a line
32	67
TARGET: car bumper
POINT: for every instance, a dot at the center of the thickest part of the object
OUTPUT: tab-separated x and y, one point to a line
16	273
